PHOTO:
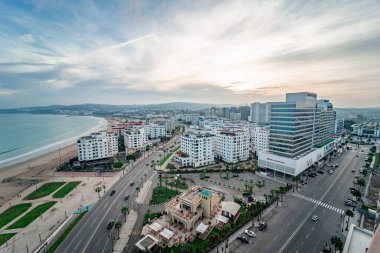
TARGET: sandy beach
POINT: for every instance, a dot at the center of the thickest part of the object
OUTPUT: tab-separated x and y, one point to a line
16	178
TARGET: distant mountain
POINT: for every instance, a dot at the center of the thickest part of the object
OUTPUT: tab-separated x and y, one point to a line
104	108
371	112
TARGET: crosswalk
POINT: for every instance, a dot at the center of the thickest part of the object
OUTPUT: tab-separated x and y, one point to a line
335	209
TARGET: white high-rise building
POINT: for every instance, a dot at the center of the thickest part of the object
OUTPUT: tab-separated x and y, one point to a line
260	113
232	146
135	138
339	127
196	150
96	146
259	138
154	131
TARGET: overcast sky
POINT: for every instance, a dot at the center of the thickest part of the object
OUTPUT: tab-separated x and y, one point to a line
235	52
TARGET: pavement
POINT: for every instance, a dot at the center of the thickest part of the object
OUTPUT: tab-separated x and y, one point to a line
126	231
290	228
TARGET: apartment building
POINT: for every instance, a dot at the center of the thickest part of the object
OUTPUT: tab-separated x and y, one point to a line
232	146
135	138
339	127
154	131
196	150
260	112
96	146
259	138
368	129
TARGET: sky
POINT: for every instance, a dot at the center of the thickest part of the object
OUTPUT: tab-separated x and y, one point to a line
222	52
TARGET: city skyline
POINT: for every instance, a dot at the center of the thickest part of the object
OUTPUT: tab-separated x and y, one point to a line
142	52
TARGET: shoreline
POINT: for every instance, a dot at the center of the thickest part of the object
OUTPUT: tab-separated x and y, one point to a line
39	168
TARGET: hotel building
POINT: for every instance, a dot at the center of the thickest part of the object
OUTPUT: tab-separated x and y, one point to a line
96	146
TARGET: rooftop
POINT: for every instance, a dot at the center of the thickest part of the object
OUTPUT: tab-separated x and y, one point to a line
207	193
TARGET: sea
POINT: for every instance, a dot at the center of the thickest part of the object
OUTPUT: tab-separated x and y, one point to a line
25	136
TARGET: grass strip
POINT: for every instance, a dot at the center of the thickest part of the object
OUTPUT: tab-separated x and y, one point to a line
66	189
44	190
65	233
168	156
32	215
12	213
5	237
376	163
161	195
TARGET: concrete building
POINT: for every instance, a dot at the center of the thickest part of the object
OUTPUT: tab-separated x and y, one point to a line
196	150
301	133
259	138
339	127
244	112
96	146
367	129
232	146
135	138
155	131
259	113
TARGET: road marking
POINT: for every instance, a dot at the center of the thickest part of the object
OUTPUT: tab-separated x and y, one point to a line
77	244
92	223
335	209
275	238
307	236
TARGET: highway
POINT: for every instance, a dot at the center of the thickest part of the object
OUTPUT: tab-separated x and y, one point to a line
91	234
290	228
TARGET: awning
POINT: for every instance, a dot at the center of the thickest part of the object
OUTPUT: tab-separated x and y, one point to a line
201	228
230	207
222	218
147	242
155	226
167	233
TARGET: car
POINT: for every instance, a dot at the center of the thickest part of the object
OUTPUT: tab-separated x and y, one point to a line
331	171
349	203
262	225
112	192
357	155
110	224
126	197
353	170
362	150
250	233
320	172
311	175
132	184
336	165
314	218
348	199
243	238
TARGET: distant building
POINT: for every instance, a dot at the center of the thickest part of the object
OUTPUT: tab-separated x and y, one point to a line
259	113
196	150
367	129
259	138
232	146
244	112
339	127
155	131
96	146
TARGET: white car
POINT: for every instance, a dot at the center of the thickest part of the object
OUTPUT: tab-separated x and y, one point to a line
250	233
314	218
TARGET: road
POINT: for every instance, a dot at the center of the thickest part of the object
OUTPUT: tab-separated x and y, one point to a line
91	234
290	228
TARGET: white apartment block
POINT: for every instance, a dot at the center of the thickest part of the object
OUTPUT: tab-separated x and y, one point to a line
135	138
259	138
232	146
96	146
155	131
196	150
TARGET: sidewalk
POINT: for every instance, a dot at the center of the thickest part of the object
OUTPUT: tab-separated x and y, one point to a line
126	231
144	192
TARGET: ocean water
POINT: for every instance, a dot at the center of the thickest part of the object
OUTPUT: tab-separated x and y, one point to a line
24	136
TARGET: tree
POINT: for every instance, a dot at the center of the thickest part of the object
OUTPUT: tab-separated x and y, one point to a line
356	194
336	241
145	176
98	190
349	213
125	211
118	225
361	183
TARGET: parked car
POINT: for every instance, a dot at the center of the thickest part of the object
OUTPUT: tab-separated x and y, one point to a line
353	170
110	224
243	239
112	192
250	233
126	197
336	165
331	171
314	218
350	203
320	172
312	175
132	184
262	225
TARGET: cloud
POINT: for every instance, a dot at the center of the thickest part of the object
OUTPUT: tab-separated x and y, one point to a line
7	91
242	49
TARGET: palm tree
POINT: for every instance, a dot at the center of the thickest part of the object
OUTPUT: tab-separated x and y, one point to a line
361	183
98	190
349	213
336	241
118	225
125	211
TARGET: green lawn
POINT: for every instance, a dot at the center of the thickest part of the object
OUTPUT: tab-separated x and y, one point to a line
377	160
178	184
5	237
162	195
167	157
32	215
12	213
150	216
44	190
66	189
65	233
